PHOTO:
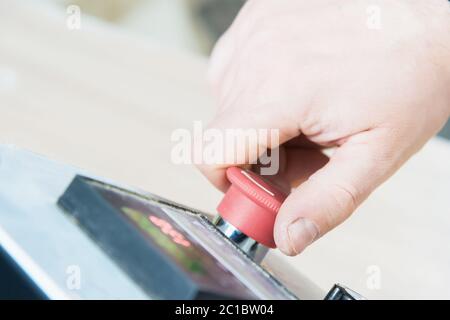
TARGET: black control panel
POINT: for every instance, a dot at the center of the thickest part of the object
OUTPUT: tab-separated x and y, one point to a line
170	252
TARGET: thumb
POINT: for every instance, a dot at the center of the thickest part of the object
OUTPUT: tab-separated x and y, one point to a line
331	195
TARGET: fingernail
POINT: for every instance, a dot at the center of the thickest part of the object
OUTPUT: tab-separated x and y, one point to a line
301	233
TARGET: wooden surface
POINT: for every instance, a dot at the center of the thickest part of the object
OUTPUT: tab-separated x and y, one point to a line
107	101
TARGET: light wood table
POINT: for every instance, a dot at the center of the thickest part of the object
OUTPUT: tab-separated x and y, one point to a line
108	101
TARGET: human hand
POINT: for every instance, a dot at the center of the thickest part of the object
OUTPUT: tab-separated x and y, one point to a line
320	74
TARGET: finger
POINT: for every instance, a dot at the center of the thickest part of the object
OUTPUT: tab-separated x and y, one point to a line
239	128
303	142
296	166
220	59
329	196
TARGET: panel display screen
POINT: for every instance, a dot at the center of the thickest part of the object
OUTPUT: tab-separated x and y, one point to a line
170	251
154	250
179	246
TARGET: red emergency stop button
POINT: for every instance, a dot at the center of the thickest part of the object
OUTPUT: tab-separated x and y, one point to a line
251	205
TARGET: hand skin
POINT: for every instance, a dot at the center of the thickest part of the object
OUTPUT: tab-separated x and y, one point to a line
316	71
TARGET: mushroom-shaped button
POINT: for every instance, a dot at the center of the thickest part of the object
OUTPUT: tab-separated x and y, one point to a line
251	205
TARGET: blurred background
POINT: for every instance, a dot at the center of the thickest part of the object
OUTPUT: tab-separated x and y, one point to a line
189	25
192	25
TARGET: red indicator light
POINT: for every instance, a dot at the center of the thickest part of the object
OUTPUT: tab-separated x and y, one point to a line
167	229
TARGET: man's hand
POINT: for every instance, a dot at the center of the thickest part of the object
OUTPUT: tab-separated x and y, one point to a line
326	75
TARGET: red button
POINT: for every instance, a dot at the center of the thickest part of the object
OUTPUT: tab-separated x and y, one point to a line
251	205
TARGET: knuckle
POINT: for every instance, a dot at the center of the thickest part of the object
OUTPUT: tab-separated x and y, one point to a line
345	196
345	200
